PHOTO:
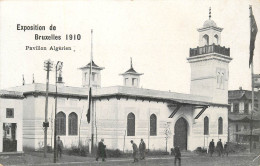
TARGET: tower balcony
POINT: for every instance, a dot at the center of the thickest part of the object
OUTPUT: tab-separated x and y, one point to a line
209	49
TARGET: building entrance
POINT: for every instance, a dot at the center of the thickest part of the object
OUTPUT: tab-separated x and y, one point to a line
180	133
9	137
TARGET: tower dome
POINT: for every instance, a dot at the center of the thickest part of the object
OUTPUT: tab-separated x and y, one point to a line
209	23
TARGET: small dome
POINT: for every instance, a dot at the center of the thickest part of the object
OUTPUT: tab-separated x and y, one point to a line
209	23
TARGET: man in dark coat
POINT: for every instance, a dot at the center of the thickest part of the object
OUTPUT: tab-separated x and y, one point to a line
142	148
219	147
211	147
101	150
135	150
177	154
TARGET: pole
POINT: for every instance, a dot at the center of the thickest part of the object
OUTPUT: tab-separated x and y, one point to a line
252	79
252	109
57	68
46	110
90	86
55	131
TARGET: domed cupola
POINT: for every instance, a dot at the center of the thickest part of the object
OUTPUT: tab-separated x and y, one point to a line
210	33
209	23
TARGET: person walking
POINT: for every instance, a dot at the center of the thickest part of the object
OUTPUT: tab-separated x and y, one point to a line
211	147
219	147
177	154
59	147
142	148
135	150
101	150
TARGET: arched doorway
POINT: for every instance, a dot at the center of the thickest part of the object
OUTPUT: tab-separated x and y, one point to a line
180	133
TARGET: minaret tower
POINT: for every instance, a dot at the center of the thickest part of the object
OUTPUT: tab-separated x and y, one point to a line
210	64
96	75
131	77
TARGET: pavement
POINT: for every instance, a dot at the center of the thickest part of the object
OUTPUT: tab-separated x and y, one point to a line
188	159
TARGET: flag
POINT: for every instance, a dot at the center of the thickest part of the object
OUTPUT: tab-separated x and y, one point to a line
89	105
253	32
90	75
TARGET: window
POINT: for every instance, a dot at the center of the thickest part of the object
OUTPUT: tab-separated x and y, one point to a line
94	76
206	126
86	76
73	124
220	75
220	125
246	108
236	108
9	113
153	125
126	80
61	123
237	131
205	40
134	81
131	124
216	39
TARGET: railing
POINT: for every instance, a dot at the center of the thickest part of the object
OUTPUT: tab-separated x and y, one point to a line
209	49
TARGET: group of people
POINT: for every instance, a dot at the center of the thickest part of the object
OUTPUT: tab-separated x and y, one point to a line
101	150
219	148
142	150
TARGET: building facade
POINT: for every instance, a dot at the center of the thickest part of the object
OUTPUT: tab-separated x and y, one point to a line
123	113
11	121
240	114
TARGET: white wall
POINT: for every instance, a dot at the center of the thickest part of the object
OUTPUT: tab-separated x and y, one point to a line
18	114
112	123
34	116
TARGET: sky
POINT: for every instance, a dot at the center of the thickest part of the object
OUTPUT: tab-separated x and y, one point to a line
157	34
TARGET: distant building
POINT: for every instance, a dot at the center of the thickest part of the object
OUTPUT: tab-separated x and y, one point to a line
128	112
239	115
11	121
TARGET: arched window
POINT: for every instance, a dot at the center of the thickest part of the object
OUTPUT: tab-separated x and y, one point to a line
153	125
205	40
61	123
206	126
73	123
220	125
216	39
131	124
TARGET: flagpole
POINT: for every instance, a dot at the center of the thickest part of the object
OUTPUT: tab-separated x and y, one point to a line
90	89
252	79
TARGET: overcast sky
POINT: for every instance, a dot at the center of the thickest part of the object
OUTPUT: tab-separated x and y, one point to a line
157	34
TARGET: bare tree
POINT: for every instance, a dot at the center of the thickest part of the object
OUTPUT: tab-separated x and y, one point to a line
167	133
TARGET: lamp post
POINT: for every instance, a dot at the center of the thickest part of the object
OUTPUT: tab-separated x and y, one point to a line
59	66
48	64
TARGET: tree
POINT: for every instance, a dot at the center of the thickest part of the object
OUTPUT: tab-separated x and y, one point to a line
167	133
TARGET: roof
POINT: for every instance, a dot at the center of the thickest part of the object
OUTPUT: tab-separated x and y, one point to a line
239	94
117	91
95	66
11	94
244	117
154	94
209	23
131	71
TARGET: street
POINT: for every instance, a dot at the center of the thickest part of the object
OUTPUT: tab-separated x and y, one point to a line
187	160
